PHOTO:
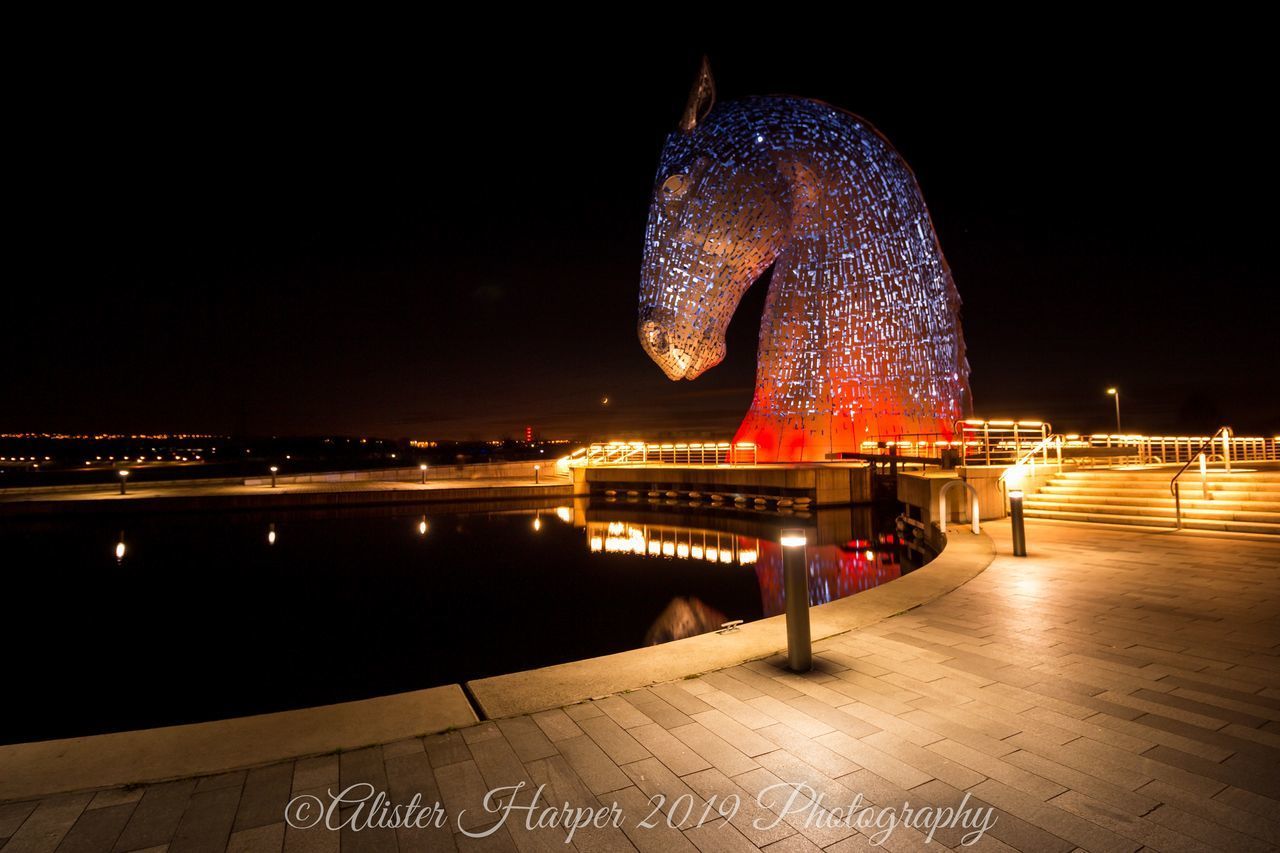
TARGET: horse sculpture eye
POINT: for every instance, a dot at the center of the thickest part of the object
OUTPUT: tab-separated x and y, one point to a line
675	186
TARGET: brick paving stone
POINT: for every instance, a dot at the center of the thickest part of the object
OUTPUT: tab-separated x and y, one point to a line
658	836
319	772
743	738
680	698
96	830
589	761
623	712
206	824
446	748
679	758
526	738
556	725
668	792
998	769
791	716
266	793
658	709
865	755
620	746
730	800
12	815
724	756
260	839
157	814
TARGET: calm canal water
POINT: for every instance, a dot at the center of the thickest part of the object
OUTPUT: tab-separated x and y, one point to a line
136	621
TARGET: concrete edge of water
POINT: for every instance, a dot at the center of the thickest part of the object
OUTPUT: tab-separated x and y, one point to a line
964	556
42	768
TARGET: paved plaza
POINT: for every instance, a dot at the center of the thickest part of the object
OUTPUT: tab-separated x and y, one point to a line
1114	691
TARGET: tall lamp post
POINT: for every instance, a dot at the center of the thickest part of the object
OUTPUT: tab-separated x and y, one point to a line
1115	392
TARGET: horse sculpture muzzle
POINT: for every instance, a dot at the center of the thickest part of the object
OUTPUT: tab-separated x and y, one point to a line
681	351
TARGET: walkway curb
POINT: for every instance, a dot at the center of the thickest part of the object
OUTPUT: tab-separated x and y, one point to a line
30	770
964	556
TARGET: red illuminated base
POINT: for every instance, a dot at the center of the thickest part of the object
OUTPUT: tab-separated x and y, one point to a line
812	438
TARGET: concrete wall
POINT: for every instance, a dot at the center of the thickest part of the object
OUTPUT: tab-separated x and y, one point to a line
478	471
921	490
826	485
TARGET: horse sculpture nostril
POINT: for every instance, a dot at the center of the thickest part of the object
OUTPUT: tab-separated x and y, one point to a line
654	337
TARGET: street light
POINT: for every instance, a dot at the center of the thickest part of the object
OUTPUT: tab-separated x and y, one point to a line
124	478
423	469
1115	392
274	469
796	584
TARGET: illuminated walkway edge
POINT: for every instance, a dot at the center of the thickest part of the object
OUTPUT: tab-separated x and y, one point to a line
41	768
964	556
150	755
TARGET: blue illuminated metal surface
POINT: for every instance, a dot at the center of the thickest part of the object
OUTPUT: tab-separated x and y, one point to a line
861	337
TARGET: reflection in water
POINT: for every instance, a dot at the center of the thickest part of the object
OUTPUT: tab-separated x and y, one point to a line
840	562
120	549
683	617
422	526
271	534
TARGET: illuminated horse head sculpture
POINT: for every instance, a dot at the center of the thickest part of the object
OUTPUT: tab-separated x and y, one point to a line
861	334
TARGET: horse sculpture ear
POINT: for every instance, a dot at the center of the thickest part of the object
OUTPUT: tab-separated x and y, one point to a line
701	98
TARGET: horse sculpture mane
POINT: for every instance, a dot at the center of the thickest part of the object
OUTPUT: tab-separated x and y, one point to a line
860	339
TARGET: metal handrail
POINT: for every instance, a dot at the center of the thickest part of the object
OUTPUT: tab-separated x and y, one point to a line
1175	487
1051	440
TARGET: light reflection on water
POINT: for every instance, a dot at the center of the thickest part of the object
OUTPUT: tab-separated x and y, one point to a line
253	612
848	553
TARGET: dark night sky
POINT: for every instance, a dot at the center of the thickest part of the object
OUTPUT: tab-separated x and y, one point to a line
442	239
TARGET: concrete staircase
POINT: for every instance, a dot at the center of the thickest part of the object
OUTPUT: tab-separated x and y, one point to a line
1239	502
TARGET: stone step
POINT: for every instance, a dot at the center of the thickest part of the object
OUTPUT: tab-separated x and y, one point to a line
1216	502
1157	521
1232	493
1167	511
1166	474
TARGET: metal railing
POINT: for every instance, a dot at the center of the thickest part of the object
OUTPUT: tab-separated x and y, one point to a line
1204	458
668	453
983	442
1039	450
1171	449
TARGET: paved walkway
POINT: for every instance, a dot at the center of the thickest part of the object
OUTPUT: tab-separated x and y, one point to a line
196	488
1114	691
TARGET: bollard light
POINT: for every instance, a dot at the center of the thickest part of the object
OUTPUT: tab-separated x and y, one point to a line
423	469
795	572
124	478
274	469
536	469
1019	532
